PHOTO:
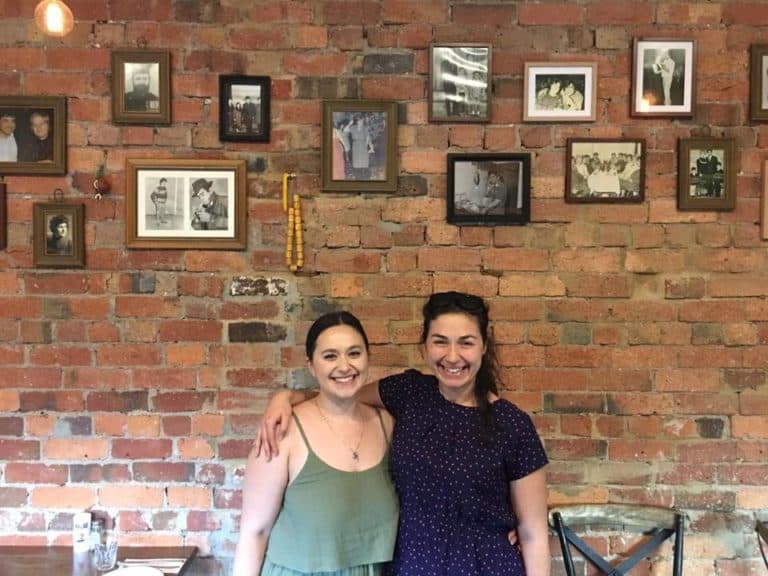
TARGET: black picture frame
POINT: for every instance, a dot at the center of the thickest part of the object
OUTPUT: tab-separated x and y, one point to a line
663	77
151	104
39	130
605	170
359	146
706	174
236	92
460	82
58	235
489	189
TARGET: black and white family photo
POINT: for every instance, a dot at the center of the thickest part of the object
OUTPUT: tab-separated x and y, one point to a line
244	108
559	91
706	171
605	170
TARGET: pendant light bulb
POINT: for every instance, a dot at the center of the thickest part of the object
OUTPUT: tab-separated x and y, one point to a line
54	18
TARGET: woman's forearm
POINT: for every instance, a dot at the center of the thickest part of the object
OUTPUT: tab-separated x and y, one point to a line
536	557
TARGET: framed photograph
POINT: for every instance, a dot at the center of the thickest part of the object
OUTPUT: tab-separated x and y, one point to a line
706	174
244	108
758	85
359	147
764	204
663	78
489	189
459	82
559	91
33	135
3	217
58	235
605	170
186	204
141	87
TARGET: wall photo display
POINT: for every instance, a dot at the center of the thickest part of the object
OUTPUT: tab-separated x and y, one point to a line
141	87
460	82
489	189
359	146
58	235
706	174
663	77
559	92
33	135
186	204
605	170
244	113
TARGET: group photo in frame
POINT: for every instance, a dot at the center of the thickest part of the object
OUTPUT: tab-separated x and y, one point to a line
186	204
244	113
141	87
663	77
489	189
758	84
605	170
459	82
33	135
359	146
58	235
559	92
706	174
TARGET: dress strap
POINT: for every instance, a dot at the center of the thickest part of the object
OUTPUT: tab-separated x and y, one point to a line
301	431
381	421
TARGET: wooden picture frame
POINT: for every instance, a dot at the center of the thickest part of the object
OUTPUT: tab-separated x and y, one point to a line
359	146
764	204
489	189
58	235
560	92
607	170
38	126
460	82
244	108
189	204
141	87
3	216
758	84
706	174
663	77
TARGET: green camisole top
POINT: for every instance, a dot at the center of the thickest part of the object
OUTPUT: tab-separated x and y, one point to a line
332	519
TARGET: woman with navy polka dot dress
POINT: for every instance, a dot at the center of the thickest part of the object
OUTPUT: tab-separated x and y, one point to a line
468	466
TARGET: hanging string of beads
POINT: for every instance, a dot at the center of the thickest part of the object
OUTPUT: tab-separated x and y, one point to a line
294	237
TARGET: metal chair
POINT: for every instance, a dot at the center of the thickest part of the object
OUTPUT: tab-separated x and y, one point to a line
657	523
762	539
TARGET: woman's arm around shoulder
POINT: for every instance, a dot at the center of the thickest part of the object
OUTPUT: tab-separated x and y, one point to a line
263	488
276	419
529	501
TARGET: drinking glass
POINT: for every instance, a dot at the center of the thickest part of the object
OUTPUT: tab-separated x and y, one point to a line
105	553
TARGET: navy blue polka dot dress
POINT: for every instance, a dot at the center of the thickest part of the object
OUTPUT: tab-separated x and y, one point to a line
454	490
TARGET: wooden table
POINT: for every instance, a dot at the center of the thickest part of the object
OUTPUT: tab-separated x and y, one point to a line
59	560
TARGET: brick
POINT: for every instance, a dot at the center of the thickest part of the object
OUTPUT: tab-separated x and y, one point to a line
63	497
140	448
195	449
163	471
189	497
130	496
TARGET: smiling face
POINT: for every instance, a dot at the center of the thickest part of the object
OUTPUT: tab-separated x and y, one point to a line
7	125
454	349
339	362
41	125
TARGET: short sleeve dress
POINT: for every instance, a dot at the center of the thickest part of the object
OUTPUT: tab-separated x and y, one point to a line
455	510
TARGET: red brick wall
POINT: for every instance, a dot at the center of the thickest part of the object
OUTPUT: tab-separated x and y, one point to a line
636	334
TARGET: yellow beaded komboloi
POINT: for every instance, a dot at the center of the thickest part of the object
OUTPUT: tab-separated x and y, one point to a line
294	238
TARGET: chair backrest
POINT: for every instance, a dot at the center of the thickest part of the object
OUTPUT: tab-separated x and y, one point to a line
657	523
762	539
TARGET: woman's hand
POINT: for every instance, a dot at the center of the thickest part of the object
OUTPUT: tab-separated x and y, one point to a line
273	425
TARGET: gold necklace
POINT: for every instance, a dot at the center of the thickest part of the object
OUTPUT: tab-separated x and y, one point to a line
356	450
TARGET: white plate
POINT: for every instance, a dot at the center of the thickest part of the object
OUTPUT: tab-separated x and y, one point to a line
135	571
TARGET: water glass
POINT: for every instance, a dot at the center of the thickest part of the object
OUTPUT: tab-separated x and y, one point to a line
105	553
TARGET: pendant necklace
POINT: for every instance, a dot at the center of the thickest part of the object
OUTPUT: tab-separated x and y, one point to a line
356	450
